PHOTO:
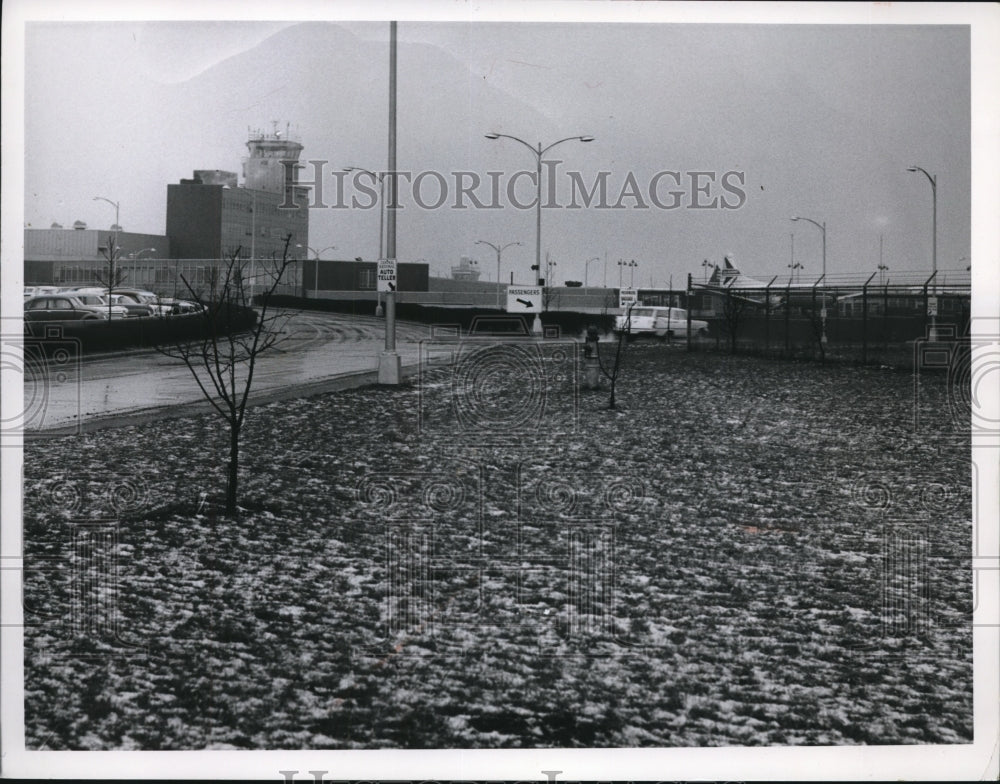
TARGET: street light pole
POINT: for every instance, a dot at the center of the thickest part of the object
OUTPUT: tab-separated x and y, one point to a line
114	250
632	263
380	179
586	270
549	264
932	179
822	228
389	365
116	227
135	258
115	205
499	249
538	152
792	265
316	261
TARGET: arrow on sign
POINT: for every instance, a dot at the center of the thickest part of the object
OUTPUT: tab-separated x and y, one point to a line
526	302
392	286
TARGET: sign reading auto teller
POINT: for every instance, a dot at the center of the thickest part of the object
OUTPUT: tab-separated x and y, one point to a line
387	275
627	298
524	299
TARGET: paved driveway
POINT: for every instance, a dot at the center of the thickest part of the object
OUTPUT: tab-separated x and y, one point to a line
320	350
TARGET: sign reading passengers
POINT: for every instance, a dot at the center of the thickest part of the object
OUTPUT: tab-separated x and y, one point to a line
387	275
524	299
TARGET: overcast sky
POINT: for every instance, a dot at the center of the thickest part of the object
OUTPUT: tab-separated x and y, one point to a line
810	119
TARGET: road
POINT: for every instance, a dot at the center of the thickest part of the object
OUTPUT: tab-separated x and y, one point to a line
319	351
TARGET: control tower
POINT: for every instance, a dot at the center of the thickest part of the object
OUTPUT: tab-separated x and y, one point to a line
263	170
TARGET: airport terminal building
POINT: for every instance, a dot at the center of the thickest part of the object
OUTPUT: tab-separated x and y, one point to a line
209	218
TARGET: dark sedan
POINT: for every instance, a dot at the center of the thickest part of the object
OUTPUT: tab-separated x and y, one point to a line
134	308
61	307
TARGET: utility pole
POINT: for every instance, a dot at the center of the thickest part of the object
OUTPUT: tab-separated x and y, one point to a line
388	362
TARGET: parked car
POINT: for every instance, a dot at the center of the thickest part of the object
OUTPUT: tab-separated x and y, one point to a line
134	309
181	306
661	322
158	304
101	301
61	307
37	291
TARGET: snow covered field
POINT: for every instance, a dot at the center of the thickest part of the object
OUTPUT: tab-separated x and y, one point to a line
749	552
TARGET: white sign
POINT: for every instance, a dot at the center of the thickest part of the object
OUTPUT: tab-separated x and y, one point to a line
627	298
386	274
524	299
932	306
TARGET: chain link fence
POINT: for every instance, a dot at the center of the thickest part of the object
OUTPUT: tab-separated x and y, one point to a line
860	323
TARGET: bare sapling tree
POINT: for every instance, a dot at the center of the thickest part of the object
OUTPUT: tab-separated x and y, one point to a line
113	274
612	370
550	297
222	357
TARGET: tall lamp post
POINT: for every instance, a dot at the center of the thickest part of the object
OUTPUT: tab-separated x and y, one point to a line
116	227
586	270
499	249
134	257
822	228
538	152
317	254
622	264
932	179
380	179
705	265
115	205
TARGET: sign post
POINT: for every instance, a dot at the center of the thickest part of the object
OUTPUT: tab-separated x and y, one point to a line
389	365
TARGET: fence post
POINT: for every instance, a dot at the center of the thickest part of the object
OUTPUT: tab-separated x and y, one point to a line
885	317
864	321
812	315
767	315
932	332
925	311
822	317
788	313
767	318
864	325
687	307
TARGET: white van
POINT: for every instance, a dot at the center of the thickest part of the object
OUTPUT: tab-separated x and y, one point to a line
661	322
